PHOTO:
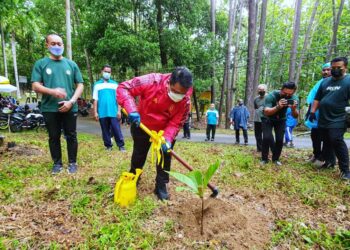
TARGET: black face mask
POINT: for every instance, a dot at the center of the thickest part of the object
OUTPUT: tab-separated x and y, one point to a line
261	93
337	73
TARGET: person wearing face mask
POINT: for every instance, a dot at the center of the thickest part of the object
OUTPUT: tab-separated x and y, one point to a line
323	155
259	102
106	109
331	99
239	116
60	82
164	104
275	109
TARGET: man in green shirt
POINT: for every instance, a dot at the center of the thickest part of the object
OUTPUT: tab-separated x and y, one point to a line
331	99
259	103
276	104
60	82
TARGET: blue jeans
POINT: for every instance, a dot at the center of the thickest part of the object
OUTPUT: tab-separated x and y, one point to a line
111	125
288	135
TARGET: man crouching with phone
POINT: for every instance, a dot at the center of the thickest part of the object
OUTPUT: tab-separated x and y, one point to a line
275	109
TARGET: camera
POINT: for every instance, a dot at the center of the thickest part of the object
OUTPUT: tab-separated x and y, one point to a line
290	102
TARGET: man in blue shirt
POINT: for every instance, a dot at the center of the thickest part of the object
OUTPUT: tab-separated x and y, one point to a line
212	116
239	118
106	109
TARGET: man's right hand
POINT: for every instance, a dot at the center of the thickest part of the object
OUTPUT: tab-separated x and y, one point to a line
96	116
59	93
283	103
134	118
312	117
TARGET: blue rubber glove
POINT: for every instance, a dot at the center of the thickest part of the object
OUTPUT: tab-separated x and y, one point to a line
312	117
134	118
166	147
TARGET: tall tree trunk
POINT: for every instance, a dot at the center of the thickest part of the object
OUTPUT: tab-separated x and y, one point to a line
333	43
86	52
212	21
196	103
306	41
4	50
260	45
68	31
235	57
162	47
14	56
249	94
294	48
228	61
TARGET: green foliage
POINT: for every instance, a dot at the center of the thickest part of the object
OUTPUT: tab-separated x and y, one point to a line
301	234
196	180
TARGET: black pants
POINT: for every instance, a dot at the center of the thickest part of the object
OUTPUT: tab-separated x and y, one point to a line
55	122
212	128
269	142
140	151
322	150
245	135
108	125
187	131
335	138
258	135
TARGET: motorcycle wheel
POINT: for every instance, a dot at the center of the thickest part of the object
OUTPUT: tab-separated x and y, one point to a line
4	124
15	127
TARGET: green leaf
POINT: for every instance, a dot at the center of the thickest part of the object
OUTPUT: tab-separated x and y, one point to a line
185	179
179	189
210	172
197	177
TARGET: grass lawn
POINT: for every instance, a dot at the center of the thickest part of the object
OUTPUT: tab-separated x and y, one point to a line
289	207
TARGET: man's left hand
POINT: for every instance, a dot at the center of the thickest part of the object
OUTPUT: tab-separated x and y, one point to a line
119	115
65	106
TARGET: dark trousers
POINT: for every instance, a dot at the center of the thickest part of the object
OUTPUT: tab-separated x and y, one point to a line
139	155
186	128
335	138
258	135
322	150
245	135
269	141
108	125
55	122
212	128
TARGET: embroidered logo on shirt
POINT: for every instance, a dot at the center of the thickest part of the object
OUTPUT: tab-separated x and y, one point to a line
331	88
68	72
48	71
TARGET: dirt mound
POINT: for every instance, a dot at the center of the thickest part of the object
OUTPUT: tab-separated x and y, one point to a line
24	150
47	222
226	224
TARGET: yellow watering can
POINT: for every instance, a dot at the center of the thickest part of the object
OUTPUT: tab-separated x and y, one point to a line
125	189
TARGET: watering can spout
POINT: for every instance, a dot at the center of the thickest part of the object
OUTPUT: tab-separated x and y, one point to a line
125	189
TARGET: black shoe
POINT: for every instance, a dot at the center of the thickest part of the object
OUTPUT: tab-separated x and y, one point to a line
206	139
345	175
327	165
56	169
212	139
161	192
237	142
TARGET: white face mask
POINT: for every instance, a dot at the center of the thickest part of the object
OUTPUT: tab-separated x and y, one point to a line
175	97
106	75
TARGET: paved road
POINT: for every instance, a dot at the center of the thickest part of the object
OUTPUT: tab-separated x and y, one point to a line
90	126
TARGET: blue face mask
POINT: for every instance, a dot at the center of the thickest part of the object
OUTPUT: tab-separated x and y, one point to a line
56	50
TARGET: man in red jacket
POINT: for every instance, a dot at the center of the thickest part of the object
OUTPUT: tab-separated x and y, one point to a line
164	103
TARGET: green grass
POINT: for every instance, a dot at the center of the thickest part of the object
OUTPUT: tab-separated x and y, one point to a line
103	225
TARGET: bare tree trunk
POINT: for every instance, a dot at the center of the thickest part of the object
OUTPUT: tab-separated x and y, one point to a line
222	95
14	56
162	47
235	57
306	42
233	7
195	103
260	45
68	31
333	44
212	21
86	53
249	95
294	48
4	50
